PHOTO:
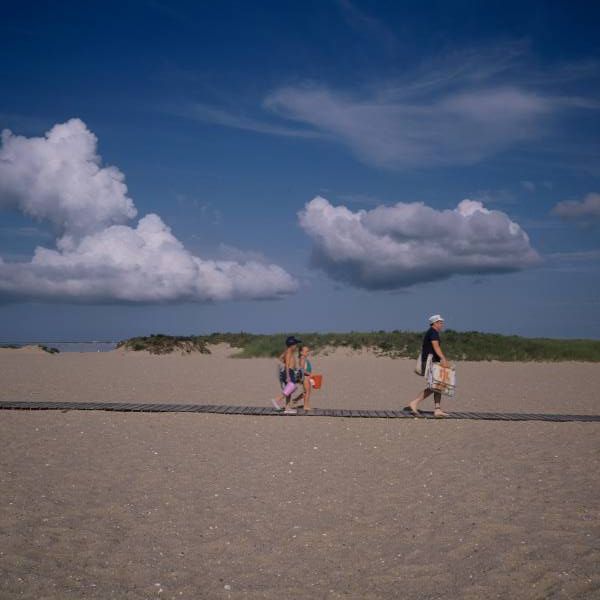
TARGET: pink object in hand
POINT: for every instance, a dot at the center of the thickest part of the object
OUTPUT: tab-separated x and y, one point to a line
289	388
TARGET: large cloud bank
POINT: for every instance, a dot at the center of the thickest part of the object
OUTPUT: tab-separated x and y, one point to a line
98	257
391	247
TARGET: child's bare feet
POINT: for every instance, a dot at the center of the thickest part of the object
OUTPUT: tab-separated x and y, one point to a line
438	412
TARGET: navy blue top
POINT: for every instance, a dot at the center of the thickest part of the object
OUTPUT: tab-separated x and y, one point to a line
430	336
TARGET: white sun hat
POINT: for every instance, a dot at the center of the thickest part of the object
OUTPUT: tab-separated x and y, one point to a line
435	318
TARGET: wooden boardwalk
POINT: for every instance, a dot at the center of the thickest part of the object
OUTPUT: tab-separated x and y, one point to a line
268	411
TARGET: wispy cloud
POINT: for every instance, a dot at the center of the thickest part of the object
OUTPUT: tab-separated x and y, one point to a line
459	109
528	186
211	114
458	69
458	128
366	24
575	257
586	211
582	261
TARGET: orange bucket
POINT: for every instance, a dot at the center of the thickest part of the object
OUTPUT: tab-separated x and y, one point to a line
316	381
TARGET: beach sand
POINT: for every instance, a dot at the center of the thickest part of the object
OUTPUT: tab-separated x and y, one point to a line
119	505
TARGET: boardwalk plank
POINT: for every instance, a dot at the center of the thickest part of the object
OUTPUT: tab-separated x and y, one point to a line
268	411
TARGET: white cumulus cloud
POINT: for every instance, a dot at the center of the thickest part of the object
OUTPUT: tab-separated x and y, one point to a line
59	178
396	246
98	257
584	210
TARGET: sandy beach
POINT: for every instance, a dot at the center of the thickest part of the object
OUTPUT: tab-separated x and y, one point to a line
116	505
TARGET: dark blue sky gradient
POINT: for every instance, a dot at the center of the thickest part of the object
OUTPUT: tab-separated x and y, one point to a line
131	70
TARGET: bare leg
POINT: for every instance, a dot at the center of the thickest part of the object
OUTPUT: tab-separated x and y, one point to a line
437	399
296	400
414	405
277	402
289	407
306	394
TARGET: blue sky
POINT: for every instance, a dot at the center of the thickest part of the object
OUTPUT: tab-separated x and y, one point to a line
308	164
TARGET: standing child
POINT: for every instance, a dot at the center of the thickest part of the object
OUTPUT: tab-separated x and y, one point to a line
278	402
287	374
306	370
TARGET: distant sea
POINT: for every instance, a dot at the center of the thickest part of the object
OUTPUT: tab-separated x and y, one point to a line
70	346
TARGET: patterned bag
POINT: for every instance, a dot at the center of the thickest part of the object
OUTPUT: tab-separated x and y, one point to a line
441	379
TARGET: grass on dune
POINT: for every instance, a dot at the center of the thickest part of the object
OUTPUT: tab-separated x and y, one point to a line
458	345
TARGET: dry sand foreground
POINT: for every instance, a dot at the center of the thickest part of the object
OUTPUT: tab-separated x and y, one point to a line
130	506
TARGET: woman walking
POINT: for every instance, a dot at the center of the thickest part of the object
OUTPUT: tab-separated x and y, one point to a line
431	347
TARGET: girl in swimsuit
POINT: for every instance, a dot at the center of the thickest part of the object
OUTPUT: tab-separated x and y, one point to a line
306	367
287	374
306	370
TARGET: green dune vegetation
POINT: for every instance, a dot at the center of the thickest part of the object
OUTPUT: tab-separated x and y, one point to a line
158	343
458	345
47	349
